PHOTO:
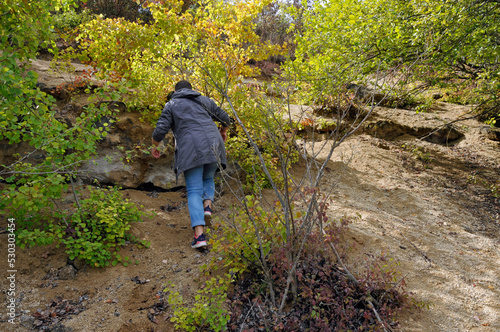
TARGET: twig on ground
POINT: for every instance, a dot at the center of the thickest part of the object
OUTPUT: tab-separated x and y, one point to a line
370	304
248	313
351	277
418	250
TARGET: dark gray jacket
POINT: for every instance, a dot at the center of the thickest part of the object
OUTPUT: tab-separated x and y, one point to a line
197	138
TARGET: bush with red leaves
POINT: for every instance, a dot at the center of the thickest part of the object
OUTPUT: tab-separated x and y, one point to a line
326	299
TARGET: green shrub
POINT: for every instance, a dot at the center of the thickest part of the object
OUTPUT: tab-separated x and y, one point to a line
208	312
263	118
99	227
94	233
71	19
235	241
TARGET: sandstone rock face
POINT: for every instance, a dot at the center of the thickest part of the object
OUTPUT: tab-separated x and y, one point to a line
10	153
390	124
310	120
50	80
123	157
384	123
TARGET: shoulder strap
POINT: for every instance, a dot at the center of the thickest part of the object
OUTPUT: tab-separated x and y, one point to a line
213	116
199	103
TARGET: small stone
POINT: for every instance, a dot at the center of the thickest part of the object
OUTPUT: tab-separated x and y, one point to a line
67	272
27	321
164	261
78	264
48	268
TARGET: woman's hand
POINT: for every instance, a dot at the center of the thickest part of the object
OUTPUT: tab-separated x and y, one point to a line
223	133
156	153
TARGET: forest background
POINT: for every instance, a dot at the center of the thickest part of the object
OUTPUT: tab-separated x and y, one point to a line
325	54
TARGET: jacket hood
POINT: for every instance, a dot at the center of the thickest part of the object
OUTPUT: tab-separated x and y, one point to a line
185	93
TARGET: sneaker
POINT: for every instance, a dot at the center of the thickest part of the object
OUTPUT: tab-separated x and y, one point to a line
208	217
199	242
208	211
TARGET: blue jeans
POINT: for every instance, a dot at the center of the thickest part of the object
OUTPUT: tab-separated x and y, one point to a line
200	186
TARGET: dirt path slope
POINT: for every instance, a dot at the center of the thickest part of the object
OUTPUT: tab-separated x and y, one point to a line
116	298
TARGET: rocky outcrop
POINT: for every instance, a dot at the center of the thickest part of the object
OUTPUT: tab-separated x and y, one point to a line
385	123
49	79
391	124
308	120
123	158
10	153
490	133
365	94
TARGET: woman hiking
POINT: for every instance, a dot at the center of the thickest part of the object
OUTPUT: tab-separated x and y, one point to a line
199	149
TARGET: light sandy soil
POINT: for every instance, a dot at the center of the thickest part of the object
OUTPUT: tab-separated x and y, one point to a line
428	215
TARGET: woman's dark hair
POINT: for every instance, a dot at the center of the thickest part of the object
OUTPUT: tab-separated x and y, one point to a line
169	96
183	85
